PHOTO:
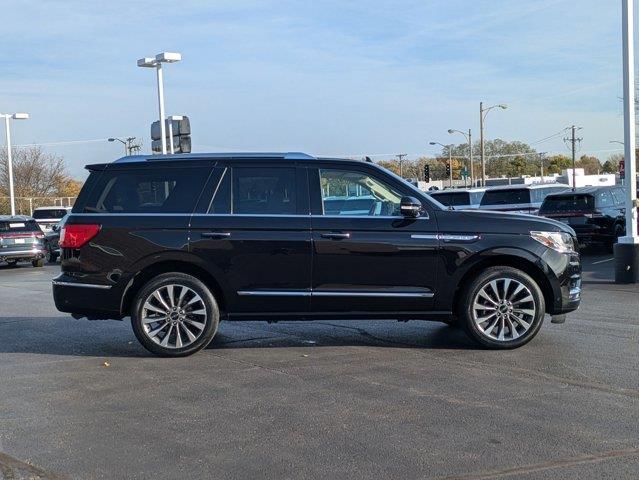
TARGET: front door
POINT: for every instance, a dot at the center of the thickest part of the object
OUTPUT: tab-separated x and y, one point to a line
367	257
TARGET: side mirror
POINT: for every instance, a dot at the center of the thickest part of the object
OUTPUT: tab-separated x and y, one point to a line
410	207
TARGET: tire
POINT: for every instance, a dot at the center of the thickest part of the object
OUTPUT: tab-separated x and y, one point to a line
518	306
164	324
38	263
50	256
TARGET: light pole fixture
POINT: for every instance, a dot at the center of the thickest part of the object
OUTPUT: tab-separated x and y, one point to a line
127	142
171	119
482	117
616	141
7	117
148	62
469	139
450	159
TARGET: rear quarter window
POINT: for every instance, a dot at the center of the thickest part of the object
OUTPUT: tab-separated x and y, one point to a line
19	226
506	197
147	190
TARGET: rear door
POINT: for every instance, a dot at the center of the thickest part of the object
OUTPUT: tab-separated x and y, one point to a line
254	237
378	261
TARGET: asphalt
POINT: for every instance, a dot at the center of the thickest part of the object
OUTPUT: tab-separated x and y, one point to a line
330	399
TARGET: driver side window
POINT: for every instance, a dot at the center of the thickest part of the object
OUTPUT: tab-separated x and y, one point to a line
354	193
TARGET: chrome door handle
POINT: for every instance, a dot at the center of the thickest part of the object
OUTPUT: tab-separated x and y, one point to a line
336	236
216	234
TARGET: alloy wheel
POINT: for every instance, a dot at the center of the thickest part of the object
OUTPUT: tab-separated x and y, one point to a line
174	316
504	309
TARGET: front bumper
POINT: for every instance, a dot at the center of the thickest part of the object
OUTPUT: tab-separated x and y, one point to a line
33	253
567	289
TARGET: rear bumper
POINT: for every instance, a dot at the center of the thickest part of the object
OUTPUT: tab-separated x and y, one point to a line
22	254
94	301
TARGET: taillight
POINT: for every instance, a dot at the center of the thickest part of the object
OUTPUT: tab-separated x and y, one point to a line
74	236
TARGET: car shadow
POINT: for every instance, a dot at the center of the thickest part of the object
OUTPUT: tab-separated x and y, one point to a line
67	337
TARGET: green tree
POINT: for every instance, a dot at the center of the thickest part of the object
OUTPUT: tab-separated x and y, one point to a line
590	164
557	163
612	164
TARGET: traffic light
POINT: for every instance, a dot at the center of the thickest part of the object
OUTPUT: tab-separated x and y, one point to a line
427	173
448	169
180	126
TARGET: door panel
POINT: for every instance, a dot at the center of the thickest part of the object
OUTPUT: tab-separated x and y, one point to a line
373	261
262	260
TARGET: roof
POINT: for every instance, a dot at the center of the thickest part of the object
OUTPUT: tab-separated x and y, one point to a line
17	218
218	155
458	190
584	190
532	187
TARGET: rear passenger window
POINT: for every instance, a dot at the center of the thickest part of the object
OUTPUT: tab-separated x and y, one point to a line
157	190
264	191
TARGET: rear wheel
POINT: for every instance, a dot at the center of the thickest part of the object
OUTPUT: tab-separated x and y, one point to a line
39	262
174	315
618	232
502	308
50	256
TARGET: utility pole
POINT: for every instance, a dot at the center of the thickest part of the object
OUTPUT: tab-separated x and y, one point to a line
481	143
470	155
573	147
400	158
450	164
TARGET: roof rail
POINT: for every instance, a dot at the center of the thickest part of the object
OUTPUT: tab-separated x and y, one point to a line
205	155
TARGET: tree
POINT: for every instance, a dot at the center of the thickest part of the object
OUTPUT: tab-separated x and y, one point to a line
35	174
590	164
557	163
612	164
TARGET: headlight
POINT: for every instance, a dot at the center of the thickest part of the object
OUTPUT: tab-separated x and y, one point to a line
558	241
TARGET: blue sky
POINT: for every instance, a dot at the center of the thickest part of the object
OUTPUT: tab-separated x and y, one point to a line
324	77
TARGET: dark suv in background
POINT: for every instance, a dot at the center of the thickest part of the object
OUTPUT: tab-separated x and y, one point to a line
180	242
596	214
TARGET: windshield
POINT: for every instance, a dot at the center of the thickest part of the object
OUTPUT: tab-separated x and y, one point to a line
49	213
506	197
568	203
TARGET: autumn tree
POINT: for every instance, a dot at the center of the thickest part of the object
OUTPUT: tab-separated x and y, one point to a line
590	164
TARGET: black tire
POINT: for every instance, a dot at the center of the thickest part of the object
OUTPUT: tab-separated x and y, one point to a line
207	299
50	256
499	275
38	263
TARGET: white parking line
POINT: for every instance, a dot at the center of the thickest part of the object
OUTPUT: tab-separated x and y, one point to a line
603	261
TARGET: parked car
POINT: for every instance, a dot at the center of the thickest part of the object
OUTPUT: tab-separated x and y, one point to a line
459	198
180	242
20	240
518	198
52	242
596	214
47	217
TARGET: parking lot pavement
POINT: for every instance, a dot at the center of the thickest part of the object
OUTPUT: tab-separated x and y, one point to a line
330	399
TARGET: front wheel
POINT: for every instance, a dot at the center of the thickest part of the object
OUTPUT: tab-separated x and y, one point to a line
38	262
502	308
174	315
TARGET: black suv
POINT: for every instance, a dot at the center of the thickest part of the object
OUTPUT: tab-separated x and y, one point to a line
597	214
180	242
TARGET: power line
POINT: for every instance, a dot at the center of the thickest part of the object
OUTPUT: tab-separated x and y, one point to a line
67	142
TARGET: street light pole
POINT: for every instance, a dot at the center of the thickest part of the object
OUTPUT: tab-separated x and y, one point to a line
160	78
450	164
482	116
627	250
469	138
7	117
160	58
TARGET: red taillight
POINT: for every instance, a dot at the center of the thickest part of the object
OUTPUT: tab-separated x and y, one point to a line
74	236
